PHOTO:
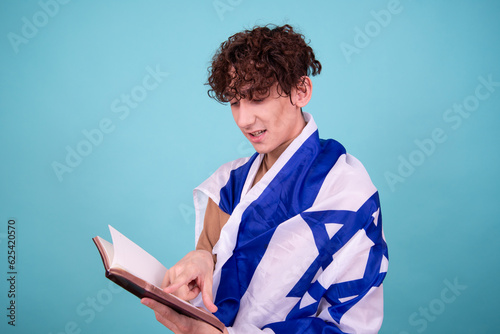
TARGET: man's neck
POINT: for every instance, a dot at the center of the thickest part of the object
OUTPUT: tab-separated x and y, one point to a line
270	158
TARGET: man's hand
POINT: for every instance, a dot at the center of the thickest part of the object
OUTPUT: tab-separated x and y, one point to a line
190	276
178	323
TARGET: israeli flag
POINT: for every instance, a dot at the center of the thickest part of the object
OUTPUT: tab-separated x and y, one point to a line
303	250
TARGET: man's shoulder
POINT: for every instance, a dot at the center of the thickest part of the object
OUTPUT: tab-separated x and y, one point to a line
347	184
346	164
221	176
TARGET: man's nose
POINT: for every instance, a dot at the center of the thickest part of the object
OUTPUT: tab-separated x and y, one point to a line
245	116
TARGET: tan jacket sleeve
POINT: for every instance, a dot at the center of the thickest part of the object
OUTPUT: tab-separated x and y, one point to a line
214	220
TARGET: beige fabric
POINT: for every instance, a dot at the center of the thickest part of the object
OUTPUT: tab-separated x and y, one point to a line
215	218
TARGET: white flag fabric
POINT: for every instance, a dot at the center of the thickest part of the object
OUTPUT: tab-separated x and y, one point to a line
303	250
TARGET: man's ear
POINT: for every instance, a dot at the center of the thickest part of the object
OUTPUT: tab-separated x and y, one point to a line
303	92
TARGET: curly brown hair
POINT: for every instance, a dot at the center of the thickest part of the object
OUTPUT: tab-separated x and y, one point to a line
249	63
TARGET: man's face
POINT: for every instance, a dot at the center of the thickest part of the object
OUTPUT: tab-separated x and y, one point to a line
270	124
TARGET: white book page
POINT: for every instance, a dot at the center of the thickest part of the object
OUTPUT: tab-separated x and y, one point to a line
136	260
108	249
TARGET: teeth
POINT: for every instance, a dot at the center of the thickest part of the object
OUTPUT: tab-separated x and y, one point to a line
257	133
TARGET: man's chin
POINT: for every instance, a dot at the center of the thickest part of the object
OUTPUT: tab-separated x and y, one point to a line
260	149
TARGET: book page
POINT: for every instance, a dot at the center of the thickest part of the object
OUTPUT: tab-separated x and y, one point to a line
136	260
107	248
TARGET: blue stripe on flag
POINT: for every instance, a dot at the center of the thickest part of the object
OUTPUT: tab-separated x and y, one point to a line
304	325
353	222
230	194
292	191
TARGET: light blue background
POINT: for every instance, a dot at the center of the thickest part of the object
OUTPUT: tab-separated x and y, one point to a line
441	223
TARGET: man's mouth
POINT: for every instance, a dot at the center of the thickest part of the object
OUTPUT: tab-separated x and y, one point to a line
257	133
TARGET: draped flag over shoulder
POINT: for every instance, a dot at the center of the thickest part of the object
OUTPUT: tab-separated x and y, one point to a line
303	250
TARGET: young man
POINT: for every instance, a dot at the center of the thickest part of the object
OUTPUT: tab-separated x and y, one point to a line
289	240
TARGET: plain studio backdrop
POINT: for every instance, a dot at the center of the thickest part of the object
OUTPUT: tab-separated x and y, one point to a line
105	119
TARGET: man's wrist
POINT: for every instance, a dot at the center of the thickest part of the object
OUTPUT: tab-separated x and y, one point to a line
206	254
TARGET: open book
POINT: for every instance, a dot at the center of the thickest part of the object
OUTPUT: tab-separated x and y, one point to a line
134	269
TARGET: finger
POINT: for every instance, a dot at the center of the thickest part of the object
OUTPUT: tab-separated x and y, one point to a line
154	305
173	287
179	281
175	321
192	285
185	293
207	295
163	313
166	279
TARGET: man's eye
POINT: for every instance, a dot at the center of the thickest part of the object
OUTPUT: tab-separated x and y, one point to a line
258	100
235	103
